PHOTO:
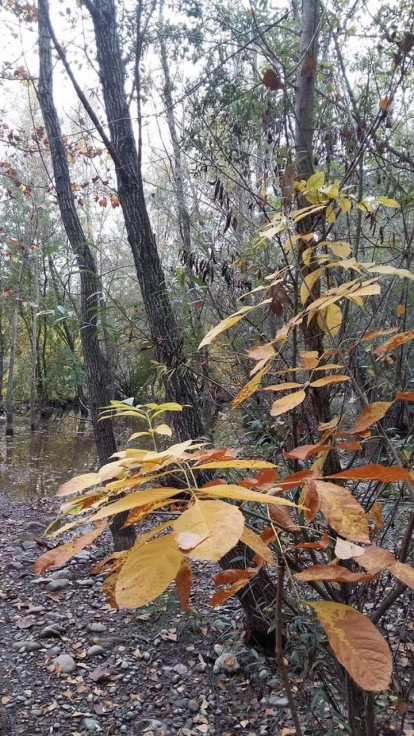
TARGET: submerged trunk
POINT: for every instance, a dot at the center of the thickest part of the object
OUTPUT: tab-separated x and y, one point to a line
12	359
97	378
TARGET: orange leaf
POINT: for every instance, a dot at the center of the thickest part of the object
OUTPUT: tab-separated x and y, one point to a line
353	445
326	380
298	479
282	516
60	555
372	334
375	513
322	544
221	596
404	572
375	559
183	582
405	395
394	342
369	415
342	511
265	476
357	644
286	403
282	386
374	472
226	577
305	451
384	104
249	389
256	543
333	573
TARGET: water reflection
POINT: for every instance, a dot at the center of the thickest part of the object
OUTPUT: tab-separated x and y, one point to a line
36	463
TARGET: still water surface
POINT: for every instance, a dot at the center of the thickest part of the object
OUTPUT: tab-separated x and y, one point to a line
36	463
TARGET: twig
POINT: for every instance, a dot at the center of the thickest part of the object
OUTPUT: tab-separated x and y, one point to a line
279	648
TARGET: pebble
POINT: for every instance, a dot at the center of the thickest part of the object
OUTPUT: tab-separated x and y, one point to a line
36	712
193	706
95	650
86	582
59	584
263	674
278	700
66	663
52	630
63	573
15	565
97	628
29	544
91	724
35	609
29	646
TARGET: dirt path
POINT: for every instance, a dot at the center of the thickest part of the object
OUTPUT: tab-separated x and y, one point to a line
149	671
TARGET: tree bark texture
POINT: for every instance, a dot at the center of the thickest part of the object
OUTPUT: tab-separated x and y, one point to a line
97	377
12	358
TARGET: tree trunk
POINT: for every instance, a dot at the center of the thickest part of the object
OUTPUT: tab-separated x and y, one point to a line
304	129
12	359
97	378
33	376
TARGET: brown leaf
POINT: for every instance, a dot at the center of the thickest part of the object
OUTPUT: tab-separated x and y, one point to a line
394	342
404	572
357	644
375	559
102	672
287	183
272	80
333	573
298	479
309	498
279	298
183	582
405	395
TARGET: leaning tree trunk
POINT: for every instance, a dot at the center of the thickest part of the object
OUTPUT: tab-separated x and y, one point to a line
97	378
164	330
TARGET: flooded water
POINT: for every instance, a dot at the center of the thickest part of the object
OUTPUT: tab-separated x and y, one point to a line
36	463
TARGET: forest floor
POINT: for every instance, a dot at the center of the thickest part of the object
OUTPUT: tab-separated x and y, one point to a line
129	672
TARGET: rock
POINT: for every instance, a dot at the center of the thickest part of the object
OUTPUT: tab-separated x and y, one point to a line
66	663
35	609
86	583
35	527
97	628
148	726
29	544
29	646
91	724
59	584
63	573
95	650
193	706
52	630
280	701
226	662
110	642
263	674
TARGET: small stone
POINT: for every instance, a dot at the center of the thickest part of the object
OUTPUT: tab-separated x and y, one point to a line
91	724
29	544
66	663
61	574
59	584
226	662
52	630
263	674
280	701
95	650
124	729
36	712
146	656
87	582
96	628
29	646
193	706
35	609
35	527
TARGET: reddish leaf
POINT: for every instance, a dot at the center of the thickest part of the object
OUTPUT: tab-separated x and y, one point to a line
305	451
394	342
279	298
183	582
405	395
309	66
60	555
371	414
298	479
334	573
271	80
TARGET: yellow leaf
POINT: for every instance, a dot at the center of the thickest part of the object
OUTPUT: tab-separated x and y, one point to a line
316	180
369	415
344	204
139	434
222	522
400	309
308	282
79	483
330	215
164	430
134	500
403	272
328	380
256	543
147	572
388	202
283	386
249	389
357	644
244	494
286	403
342	511
340	249
224	325
248	463
330	319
